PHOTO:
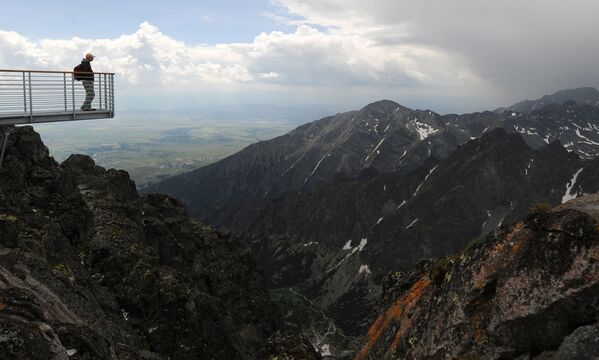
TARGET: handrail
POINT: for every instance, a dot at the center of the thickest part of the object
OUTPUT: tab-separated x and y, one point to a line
30	96
55	72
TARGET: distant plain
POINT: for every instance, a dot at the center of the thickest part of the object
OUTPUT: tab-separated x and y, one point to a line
154	145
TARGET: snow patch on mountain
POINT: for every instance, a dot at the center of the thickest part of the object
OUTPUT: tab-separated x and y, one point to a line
412	223
360	247
364	269
347	245
400	205
588	141
423	181
424	130
311	243
316	167
568	195
375	149
528	167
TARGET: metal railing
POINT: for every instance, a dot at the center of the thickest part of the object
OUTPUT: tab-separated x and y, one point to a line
31	94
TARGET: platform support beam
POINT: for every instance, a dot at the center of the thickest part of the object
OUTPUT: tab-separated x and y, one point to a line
3	146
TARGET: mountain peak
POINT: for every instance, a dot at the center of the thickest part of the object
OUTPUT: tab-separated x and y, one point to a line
385	106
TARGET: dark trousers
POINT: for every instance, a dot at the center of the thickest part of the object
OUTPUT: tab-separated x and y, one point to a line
88	85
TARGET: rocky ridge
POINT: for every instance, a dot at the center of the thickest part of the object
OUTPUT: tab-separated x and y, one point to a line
582	96
527	291
91	270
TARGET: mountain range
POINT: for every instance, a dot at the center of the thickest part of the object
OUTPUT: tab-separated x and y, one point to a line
374	234
331	207
384	136
581	96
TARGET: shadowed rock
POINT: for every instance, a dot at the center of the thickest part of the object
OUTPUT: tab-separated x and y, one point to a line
91	270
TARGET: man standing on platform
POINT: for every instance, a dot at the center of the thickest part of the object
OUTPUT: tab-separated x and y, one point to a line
87	78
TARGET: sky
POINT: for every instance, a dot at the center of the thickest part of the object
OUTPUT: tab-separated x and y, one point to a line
448	56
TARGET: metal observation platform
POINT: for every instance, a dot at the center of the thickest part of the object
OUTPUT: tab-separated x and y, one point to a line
30	97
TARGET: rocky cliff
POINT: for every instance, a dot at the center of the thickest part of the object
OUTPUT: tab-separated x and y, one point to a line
91	270
527	291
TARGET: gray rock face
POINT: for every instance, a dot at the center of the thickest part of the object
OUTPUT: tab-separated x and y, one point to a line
91	270
527	291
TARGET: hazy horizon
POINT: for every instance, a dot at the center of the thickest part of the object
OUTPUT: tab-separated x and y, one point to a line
456	57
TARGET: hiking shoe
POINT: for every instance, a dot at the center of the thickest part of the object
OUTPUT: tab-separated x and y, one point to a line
89	109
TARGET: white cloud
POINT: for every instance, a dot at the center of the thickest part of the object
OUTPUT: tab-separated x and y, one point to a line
521	47
305	57
483	53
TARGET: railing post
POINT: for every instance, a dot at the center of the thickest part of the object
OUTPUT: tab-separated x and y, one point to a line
111	96
64	79
73	93
49	105
105	92
100	91
30	100
24	95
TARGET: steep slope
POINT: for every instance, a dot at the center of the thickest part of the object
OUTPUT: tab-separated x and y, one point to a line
375	136
582	96
91	270
527	291
337	241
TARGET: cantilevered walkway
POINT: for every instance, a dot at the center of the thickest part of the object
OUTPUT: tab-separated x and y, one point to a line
31	97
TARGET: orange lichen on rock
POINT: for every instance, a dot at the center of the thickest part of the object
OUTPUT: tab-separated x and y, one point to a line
499	248
409	300
519	226
379	326
516	247
416	290
482	276
392	313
